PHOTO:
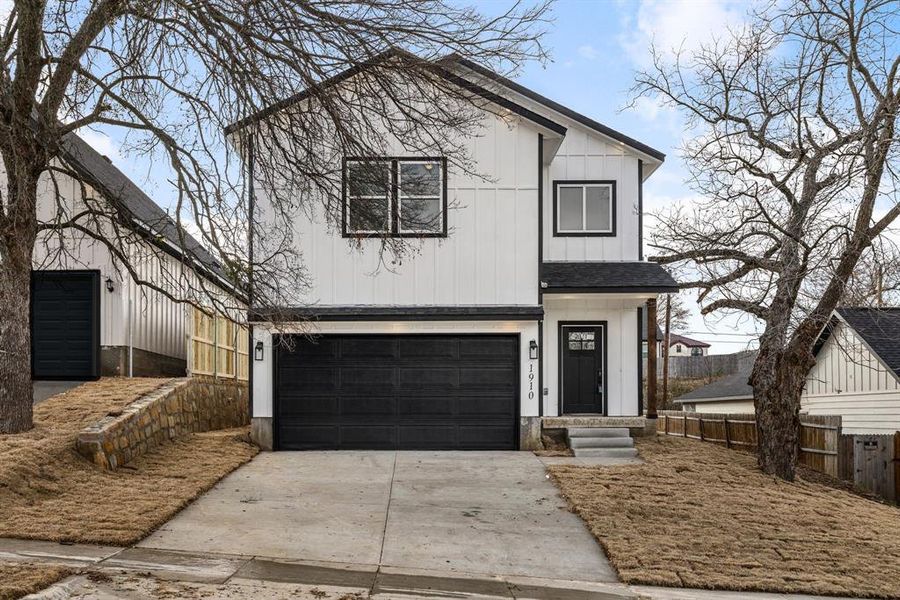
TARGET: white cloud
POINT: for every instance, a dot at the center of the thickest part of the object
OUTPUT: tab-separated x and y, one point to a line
587	51
102	143
671	25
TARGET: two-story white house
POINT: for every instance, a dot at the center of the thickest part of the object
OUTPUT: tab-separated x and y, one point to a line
523	302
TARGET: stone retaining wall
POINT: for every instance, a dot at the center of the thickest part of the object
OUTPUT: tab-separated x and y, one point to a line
178	408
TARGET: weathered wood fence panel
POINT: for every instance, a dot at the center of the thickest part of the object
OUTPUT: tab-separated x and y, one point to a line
714	365
875	464
819	434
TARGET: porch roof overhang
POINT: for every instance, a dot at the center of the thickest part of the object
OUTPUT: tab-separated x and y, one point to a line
606	278
398	313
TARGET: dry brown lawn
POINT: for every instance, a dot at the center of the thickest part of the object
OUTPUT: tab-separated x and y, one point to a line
698	515
50	492
21	579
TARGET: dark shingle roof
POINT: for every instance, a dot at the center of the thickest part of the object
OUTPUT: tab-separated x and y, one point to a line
132	203
402	313
880	329
606	277
732	386
674	338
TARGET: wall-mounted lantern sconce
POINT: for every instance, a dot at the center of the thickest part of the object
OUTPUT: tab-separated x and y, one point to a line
258	351
110	287
533	350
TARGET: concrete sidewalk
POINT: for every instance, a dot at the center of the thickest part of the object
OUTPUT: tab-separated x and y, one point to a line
142	574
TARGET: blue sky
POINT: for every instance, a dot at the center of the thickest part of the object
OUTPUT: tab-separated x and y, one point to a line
596	46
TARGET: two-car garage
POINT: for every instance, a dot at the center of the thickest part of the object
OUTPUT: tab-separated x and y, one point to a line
384	391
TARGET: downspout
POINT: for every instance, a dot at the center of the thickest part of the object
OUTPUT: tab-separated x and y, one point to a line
540	273
251	211
130	337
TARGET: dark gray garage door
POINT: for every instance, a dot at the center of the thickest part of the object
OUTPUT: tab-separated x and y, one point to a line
65	324
447	392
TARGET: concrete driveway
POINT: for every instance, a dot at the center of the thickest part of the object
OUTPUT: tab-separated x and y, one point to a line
492	513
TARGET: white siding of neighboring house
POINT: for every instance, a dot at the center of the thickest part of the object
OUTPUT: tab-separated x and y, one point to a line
848	380
131	314
685	350
490	253
721	406
620	315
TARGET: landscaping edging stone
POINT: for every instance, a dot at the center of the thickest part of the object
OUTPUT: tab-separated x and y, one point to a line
177	408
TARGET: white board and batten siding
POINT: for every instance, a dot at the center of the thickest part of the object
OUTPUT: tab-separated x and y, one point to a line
850	381
489	256
588	156
620	318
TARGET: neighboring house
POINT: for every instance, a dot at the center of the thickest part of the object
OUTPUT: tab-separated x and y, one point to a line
857	371
730	394
530	307
680	345
89	315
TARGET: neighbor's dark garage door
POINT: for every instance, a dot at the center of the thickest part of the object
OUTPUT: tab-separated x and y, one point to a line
65	324
447	392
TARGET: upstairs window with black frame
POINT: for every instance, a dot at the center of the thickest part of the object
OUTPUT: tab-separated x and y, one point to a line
584	208
396	197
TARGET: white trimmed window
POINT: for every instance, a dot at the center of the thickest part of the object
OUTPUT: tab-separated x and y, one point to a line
584	208
400	197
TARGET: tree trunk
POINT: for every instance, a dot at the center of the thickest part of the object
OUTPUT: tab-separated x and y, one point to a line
16	391
777	385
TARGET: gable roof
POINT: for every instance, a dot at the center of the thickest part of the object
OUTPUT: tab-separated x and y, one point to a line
879	328
674	338
145	215
436	66
556	106
606	277
732	387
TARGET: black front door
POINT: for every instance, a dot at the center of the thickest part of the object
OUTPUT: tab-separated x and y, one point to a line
581	362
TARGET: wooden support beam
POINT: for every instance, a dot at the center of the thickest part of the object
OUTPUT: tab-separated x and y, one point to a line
651	358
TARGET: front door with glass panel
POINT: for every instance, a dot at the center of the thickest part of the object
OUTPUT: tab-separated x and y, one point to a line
581	365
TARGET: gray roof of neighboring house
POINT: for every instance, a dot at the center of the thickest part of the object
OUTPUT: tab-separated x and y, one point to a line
731	387
133	204
879	328
674	338
606	277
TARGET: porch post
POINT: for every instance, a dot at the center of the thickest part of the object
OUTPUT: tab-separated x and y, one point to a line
651	358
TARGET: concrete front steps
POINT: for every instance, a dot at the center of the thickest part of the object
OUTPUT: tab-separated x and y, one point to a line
601	442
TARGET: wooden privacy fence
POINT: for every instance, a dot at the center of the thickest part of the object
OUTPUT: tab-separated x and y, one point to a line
873	463
714	365
219	347
870	462
819	434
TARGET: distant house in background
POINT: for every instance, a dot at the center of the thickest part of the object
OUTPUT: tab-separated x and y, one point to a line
731	394
680	345
857	371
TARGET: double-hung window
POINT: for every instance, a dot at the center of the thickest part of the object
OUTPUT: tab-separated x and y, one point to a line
396	197
584	208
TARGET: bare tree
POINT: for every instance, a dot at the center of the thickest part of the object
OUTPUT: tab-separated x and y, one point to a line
673	317
172	76
795	154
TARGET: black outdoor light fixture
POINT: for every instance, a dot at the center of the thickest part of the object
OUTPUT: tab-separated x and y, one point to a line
533	350
258	354
109	285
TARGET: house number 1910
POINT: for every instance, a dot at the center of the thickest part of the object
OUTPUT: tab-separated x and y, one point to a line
531	381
